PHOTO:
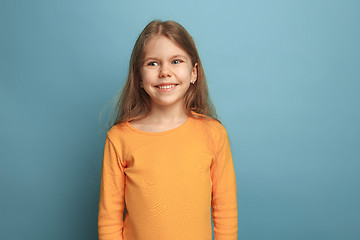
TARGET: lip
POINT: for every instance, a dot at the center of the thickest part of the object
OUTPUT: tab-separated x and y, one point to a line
166	83
168	89
171	87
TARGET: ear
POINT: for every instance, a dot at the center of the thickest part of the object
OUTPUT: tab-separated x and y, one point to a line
141	84
194	73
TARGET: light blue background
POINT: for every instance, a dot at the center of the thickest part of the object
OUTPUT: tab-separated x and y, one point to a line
284	76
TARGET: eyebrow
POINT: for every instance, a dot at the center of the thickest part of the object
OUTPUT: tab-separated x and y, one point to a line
172	57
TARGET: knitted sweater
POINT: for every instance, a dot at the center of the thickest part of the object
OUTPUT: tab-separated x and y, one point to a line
168	181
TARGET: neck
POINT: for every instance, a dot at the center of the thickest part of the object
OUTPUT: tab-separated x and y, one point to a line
168	114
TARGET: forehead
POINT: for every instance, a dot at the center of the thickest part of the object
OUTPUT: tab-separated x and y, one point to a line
161	46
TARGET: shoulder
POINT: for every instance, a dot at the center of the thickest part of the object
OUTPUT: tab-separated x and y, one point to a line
213	132
117	132
210	125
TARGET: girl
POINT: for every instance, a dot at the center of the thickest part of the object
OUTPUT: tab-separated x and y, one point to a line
167	160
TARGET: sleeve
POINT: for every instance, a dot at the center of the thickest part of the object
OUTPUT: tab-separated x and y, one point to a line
224	202
111	201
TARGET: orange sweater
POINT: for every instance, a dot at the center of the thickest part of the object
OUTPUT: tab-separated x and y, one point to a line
168	181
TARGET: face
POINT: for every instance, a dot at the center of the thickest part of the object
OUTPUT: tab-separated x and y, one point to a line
166	72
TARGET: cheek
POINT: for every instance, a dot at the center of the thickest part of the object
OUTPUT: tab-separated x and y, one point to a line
147	75
184	73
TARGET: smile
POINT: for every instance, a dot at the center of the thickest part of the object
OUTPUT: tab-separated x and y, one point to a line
166	87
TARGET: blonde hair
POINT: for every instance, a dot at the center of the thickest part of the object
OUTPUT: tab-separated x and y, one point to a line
134	103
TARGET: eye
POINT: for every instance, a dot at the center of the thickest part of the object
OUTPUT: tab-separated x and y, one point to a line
177	61
152	64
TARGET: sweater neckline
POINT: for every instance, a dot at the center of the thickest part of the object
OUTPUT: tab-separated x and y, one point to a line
183	125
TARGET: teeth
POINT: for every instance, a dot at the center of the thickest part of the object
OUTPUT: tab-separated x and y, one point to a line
166	86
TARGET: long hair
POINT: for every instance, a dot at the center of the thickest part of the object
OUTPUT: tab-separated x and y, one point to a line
134	103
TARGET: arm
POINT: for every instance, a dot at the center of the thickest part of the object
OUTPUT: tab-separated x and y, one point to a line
111	202
224	201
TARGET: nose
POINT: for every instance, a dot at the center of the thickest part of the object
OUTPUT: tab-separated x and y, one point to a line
165	71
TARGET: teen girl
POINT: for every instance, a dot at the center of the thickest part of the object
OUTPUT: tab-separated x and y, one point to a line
167	160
